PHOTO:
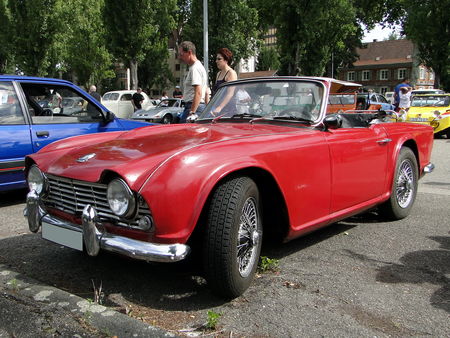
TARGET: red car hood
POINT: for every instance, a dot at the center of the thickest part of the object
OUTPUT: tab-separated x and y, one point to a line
137	153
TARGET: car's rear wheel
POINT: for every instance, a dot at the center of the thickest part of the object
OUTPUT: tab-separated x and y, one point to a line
233	237
404	187
167	119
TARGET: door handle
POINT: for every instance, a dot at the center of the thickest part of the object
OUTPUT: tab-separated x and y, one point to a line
384	141
42	133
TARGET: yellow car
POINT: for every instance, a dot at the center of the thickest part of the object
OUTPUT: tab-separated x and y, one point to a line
431	109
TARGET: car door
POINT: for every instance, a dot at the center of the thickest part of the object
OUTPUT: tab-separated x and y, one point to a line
15	140
75	114
125	108
359	159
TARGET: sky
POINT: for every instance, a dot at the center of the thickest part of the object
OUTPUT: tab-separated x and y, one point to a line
378	33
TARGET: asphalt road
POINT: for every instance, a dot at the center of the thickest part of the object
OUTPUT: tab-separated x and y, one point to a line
357	278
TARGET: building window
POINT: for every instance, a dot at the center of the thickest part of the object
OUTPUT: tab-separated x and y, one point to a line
383	90
431	76
366	75
383	74
402	73
422	73
351	76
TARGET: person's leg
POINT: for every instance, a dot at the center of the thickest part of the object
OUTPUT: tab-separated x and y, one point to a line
185	113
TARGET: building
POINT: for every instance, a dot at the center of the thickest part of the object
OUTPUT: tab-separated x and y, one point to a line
384	64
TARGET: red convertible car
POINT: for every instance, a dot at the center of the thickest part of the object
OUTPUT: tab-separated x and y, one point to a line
263	160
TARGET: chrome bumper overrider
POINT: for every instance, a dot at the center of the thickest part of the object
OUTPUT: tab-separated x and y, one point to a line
428	168
95	237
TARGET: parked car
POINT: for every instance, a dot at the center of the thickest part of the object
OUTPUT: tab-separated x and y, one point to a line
37	111
373	101
167	111
430	109
426	91
119	102
390	97
272	165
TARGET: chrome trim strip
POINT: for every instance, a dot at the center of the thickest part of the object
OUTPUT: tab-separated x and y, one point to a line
95	238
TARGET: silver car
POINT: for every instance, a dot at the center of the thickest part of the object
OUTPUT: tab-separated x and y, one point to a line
167	111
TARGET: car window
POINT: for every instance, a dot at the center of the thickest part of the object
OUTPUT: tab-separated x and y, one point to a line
56	104
382	99
126	97
10	110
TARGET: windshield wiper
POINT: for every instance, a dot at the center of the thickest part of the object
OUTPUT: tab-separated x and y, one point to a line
294	118
246	115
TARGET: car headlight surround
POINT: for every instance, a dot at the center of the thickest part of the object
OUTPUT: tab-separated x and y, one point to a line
120	198
36	180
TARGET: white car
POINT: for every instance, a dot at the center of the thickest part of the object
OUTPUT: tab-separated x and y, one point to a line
119	102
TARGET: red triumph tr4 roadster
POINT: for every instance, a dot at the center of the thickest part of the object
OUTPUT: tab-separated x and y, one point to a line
263	160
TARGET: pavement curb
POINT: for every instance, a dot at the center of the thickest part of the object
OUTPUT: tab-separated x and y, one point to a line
105	320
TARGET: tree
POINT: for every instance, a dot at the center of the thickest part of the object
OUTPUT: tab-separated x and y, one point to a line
6	50
35	24
268	59
82	42
427	24
134	27
231	23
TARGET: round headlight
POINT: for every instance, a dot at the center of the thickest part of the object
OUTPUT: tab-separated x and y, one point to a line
120	198
36	179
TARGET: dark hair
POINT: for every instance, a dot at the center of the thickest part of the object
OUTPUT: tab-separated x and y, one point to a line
187	46
226	54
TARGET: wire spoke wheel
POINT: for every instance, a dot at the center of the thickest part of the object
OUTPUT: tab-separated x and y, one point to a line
248	237
404	186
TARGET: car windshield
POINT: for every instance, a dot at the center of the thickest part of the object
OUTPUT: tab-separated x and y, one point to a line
430	101
278	99
168	103
341	99
110	97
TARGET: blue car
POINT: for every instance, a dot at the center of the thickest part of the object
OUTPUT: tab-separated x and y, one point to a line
37	111
365	100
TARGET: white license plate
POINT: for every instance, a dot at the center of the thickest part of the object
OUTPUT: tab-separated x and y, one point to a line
418	119
70	238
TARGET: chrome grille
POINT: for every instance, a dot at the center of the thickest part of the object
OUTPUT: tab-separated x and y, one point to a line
71	196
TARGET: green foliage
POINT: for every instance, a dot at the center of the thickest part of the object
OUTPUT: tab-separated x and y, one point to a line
213	318
231	23
6	55
268	264
135	27
34	31
427	24
268	59
82	42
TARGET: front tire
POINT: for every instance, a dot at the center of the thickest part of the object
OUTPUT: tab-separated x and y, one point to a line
167	119
233	237
404	187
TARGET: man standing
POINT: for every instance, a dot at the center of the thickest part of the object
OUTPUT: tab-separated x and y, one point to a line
94	94
194	82
404	83
137	99
177	94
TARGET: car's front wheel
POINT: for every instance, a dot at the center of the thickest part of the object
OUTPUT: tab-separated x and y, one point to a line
167	119
233	237
404	187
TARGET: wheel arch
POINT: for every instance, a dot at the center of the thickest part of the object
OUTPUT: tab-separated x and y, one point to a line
273	205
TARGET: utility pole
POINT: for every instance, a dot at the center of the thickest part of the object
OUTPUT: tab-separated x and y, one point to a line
205	38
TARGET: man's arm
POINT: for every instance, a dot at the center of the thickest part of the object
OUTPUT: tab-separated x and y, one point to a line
197	98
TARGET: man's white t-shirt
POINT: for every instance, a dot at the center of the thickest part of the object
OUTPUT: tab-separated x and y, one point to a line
405	99
195	77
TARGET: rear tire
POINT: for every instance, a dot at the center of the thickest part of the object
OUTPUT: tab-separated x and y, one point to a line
167	119
404	187
233	237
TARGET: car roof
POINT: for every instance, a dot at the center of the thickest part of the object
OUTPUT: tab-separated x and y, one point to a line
431	94
121	92
33	79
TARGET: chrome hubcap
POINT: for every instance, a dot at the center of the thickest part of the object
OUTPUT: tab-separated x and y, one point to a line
249	238
405	184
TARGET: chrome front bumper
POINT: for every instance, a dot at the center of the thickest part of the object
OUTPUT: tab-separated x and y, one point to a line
95	237
428	168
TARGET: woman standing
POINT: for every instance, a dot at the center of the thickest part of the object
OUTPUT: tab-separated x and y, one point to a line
224	59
